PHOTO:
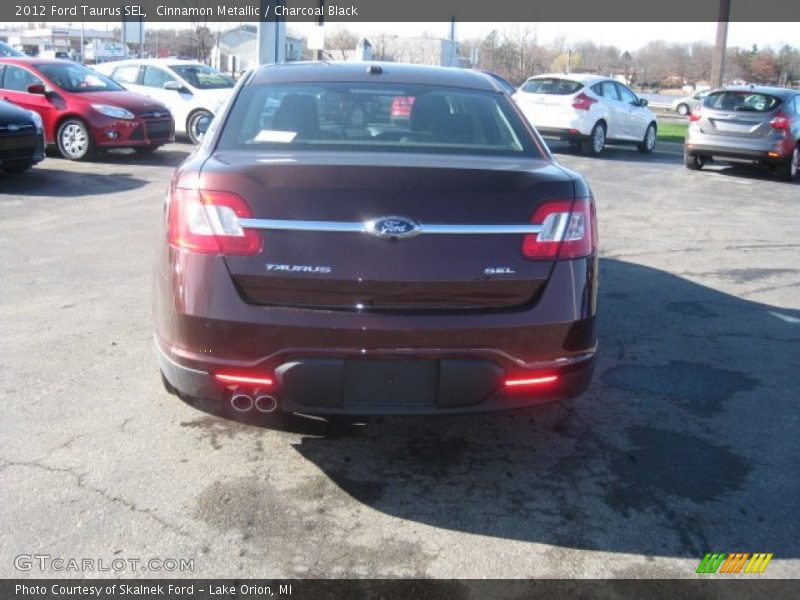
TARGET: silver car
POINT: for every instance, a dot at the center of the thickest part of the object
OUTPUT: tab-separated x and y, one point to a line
747	123
683	106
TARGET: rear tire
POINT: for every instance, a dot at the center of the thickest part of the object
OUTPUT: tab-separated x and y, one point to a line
693	162
790	171
647	145
596	142
682	109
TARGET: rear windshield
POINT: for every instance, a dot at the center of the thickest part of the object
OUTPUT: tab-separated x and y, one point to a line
551	85
742	101
376	117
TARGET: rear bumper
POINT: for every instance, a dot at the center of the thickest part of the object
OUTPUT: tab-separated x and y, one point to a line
740	153
321	361
571	134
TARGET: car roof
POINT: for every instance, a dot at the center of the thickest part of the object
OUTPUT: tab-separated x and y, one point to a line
584	78
401	73
782	93
33	61
152	61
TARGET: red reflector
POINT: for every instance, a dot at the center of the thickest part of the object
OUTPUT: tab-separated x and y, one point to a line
241	379
695	114
531	381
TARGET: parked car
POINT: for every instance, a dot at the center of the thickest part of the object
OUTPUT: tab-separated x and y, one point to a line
683	106
21	138
587	111
82	110
191	90
447	264
752	123
8	50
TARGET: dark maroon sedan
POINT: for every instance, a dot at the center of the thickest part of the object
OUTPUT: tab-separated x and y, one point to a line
341	261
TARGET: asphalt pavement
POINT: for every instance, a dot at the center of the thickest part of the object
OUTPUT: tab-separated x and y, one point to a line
686	442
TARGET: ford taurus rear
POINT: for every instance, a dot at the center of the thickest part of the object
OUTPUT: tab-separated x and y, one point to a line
348	262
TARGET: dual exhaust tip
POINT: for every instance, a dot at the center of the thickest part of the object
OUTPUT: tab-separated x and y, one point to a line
244	403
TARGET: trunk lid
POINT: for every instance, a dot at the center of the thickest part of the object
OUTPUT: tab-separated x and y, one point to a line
352	270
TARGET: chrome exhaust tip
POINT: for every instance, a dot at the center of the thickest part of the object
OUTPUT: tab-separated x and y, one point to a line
241	402
266	404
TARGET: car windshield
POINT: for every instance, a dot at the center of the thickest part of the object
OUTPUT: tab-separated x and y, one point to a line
203	77
73	77
551	85
742	101
376	117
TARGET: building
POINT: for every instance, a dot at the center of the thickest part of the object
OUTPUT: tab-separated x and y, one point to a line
236	49
63	42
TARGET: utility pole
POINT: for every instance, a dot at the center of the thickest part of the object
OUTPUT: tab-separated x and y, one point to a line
718	64
271	34
321	24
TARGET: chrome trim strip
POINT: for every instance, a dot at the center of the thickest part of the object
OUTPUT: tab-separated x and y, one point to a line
355	227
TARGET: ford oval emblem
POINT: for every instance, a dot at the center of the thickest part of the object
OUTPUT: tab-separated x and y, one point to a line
393	228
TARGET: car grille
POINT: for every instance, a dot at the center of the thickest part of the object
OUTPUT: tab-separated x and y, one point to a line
18	146
159	130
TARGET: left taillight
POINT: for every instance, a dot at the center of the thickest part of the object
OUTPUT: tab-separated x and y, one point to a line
583	102
569	230
208	222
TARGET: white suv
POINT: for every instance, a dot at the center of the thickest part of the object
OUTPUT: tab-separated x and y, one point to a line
191	90
587	111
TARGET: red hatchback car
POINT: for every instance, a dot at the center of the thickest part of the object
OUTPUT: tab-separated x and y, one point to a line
82	110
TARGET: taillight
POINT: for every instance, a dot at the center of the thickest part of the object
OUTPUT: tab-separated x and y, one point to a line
208	222
569	230
779	121
583	102
695	115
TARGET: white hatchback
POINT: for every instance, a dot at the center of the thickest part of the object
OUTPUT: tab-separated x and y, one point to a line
191	90
587	111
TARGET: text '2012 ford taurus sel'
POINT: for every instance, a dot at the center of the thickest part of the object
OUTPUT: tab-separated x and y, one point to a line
319	256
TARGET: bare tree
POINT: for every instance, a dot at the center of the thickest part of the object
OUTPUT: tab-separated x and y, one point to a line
340	42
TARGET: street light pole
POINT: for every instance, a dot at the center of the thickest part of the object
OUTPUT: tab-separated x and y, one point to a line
718	63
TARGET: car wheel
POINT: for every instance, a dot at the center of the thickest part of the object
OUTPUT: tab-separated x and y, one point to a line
789	171
192	125
682	109
694	162
596	142
74	140
649	142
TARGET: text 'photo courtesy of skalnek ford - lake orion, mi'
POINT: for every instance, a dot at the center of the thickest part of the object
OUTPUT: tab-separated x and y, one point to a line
446	300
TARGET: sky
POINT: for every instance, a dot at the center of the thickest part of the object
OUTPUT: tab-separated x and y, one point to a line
626	36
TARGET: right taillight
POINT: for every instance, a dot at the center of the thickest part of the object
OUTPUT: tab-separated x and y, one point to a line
695	114
569	230
208	222
583	102
780	121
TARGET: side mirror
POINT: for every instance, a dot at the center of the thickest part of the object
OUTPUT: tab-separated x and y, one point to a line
175	87
642	102
37	88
